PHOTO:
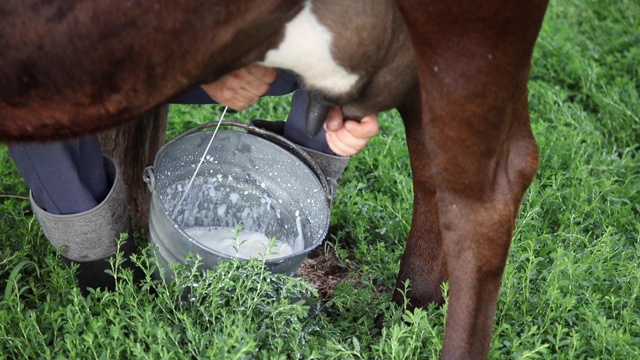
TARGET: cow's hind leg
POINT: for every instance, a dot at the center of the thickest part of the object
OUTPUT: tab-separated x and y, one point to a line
480	156
477	225
477	219
423	262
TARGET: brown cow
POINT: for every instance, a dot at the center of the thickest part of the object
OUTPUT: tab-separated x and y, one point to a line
72	67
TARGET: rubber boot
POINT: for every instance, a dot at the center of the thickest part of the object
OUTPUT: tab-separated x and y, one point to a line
332	166
90	238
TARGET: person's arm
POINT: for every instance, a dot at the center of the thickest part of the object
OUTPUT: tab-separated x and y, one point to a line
244	87
241	88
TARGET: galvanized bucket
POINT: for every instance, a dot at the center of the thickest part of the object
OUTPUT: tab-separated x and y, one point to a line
256	179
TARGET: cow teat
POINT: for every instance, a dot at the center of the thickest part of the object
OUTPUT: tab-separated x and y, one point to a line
317	111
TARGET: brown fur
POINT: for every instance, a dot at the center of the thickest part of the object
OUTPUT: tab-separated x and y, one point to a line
70	67
81	66
473	155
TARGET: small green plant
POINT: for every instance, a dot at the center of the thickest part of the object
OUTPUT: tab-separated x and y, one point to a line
236	236
269	248
237	231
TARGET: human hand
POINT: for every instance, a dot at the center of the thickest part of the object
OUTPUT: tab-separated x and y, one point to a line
347	138
241	88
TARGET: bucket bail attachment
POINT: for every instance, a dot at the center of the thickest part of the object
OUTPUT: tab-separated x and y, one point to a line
149	178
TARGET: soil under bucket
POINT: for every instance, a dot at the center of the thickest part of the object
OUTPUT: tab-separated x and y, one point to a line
256	180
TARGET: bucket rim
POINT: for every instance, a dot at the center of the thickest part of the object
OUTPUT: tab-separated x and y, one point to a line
279	140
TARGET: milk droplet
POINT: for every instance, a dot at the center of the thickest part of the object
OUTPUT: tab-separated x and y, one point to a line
221	210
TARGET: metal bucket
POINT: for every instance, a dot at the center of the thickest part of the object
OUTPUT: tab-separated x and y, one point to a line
257	180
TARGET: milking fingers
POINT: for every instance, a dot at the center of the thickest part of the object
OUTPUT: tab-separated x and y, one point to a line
347	138
241	88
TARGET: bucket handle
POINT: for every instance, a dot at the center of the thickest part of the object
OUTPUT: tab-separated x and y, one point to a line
149	177
273	137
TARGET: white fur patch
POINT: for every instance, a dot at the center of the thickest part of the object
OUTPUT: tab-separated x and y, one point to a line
306	50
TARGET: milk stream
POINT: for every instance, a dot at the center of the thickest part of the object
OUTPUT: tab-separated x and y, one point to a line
244	245
204	154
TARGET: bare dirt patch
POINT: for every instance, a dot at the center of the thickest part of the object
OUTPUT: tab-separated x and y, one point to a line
323	271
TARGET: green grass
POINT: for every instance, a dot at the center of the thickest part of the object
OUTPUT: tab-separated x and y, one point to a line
570	288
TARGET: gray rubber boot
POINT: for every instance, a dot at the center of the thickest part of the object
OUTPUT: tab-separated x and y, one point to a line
90	238
332	166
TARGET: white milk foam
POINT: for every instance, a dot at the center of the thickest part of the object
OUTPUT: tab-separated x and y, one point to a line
246	245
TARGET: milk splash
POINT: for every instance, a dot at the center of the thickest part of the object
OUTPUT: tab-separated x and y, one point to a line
243	244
